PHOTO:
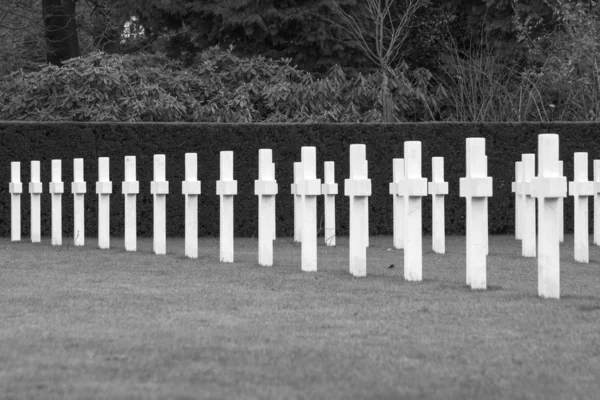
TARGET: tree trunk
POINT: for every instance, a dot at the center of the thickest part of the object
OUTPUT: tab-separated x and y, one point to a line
386	99
61	30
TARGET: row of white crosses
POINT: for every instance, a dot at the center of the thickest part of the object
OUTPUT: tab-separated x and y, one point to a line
407	188
159	187
306	188
525	205
550	188
580	189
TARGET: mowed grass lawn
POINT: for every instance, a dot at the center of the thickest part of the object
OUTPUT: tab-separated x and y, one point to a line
79	323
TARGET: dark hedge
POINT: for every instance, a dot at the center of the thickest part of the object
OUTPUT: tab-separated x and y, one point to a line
505	142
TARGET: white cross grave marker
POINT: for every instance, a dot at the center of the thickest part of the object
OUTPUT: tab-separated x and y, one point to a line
56	189
516	185
309	188
415	187
528	235
159	187
104	190
130	189
297	202
486	237
358	188
561	208
367	200
581	188
265	187
15	188
274	208
35	189
330	189
78	188
226	189
398	201
438	189
476	187
548	187
191	189
597	202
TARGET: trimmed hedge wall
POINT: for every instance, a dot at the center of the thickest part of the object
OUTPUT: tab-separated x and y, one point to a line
505	142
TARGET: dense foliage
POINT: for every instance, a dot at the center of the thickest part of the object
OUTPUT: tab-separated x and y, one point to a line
220	87
532	61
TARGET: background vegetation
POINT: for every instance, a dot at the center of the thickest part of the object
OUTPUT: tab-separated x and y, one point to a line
280	61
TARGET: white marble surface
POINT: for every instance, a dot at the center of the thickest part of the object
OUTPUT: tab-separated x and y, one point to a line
561	207
358	188
265	187
309	188
78	188
476	187
103	190
581	189
226	189
528	236
516	189
297	202
330	190
130	189
597	202
398	202
35	191
159	188
191	189
56	189
548	187
413	190
16	189
438	189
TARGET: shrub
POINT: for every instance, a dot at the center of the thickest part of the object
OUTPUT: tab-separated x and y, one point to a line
218	87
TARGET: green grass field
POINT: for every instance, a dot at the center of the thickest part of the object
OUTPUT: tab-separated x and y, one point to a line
81	323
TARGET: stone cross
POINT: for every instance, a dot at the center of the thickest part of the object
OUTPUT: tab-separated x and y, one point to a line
398	201
35	189
130	189
476	187
358	188
597	202
438	189
516	189
191	189
367	200
297	202
309	188
104	190
15	188
486	237
528	234
159	187
581	188
265	187
226	189
330	189
413	190
56	189
561	208
78	188
548	187
274	208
